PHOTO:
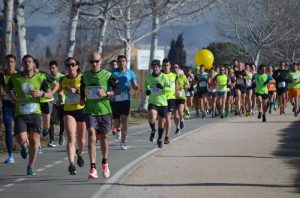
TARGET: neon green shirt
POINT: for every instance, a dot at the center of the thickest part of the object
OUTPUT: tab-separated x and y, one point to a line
172	77
295	78
157	96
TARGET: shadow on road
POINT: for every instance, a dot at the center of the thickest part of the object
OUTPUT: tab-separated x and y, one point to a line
289	148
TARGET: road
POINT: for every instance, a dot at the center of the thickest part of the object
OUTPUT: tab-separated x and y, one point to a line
53	180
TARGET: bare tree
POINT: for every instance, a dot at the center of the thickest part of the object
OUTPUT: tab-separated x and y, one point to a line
8	12
74	14
20	29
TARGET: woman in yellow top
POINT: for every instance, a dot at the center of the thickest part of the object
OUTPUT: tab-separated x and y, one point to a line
74	117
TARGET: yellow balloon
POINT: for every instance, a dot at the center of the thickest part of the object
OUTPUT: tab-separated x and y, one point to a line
204	57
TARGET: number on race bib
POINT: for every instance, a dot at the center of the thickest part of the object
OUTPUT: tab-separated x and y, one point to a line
121	97
203	84
92	92
72	99
27	108
281	84
155	90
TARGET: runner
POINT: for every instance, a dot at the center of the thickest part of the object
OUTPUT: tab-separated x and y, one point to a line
189	92
170	97
58	108
261	80
230	93
74	117
201	80
157	87
211	87
95	88
249	90
293	78
8	108
120	103
181	84
271	91
221	81
28	87
47	105
281	86
240	89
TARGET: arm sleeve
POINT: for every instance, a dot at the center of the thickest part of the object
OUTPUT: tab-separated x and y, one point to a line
45	87
82	89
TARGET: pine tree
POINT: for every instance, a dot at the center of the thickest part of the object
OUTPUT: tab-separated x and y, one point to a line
177	54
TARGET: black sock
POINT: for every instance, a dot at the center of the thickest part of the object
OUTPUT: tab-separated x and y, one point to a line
152	126
104	161
93	165
160	133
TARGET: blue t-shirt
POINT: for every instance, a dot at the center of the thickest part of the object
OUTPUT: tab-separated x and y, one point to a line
124	78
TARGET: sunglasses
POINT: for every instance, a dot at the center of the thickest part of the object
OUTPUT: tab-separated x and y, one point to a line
94	61
71	65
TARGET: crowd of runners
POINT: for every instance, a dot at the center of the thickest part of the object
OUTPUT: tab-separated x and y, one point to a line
97	101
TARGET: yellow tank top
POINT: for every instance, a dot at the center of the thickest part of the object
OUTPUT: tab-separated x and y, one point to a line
72	100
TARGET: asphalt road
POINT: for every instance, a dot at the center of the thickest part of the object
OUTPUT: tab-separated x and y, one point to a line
53	179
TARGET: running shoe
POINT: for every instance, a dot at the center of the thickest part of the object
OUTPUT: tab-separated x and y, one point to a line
152	136
105	170
10	160
45	132
72	169
177	132
259	115
264	118
295	114
61	140
80	160
30	171
51	144
118	135
181	124
123	146
166	141
93	173
40	151
114	131
160	144
24	152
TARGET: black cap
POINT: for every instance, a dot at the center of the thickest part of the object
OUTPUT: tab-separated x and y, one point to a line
155	62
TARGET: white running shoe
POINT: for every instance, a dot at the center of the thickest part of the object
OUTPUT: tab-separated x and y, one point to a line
93	173
123	146
118	135
105	170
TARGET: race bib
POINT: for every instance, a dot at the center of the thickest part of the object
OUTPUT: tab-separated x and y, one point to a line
27	108
121	97
179	93
155	90
248	83
172	84
221	87
188	94
281	84
203	84
72	99
240	81
92	92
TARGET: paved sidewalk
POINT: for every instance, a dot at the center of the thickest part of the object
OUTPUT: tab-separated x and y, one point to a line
240	157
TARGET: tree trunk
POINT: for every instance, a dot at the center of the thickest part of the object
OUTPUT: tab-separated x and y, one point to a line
154	40
8	11
72	27
21	29
102	34
257	57
128	36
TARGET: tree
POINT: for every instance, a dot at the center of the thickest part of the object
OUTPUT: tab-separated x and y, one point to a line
8	12
177	54
21	29
225	52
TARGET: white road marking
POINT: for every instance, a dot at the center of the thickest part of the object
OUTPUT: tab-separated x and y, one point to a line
1	189
49	166
20	179
100	192
8	185
40	170
58	162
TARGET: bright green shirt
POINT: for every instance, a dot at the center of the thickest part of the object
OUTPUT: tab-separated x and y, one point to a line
260	83
181	83
222	80
172	77
26	103
93	82
157	96
50	81
295	78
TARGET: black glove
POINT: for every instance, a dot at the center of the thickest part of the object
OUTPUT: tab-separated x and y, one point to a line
191	89
148	92
158	85
267	82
